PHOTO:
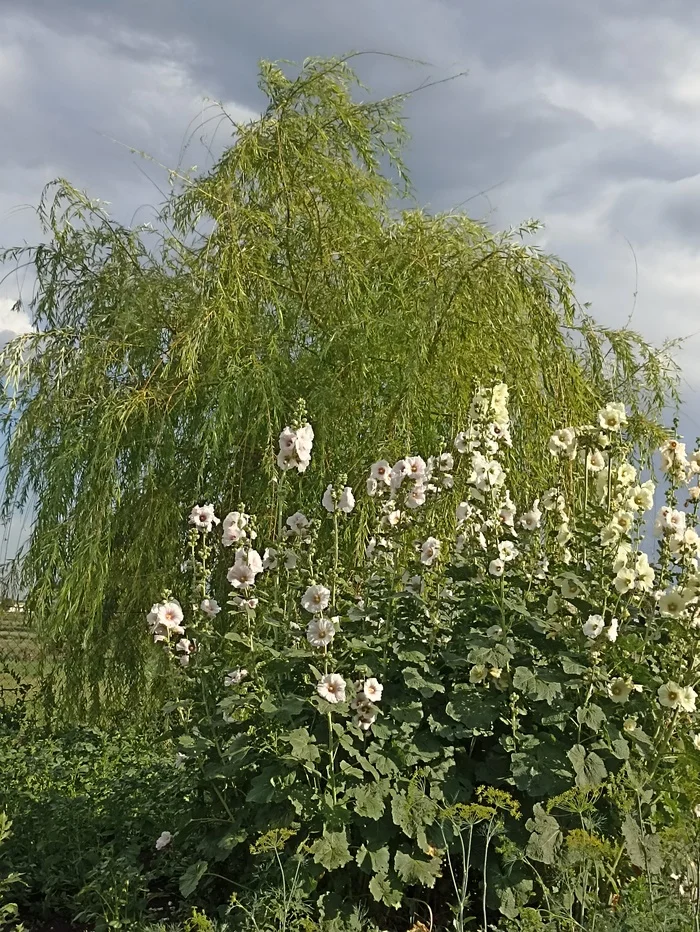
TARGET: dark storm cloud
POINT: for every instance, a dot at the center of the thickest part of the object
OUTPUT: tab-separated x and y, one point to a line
580	114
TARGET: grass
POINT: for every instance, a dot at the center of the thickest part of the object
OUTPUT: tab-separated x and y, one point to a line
19	657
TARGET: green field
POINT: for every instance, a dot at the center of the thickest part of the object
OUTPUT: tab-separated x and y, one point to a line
18	656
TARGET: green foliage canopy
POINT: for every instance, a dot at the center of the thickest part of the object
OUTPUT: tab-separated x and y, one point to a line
167	356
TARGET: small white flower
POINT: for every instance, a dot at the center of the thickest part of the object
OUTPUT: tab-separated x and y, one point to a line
372	689
416	497
381	472
415	467
180	760
446	462
209	607
672	603
478	673
619	690
696	742
297	523
626	474
570	587
320	632
507	551
247	566
235	677
370	548
497	567
563	442
612	416
624	581
550	499
290	560
612	631
316	598
670	695
270	561
398	474
163	840
642	496
532	519
645	573
429	551
371	486
346	502
203	517
328	500
595	461
593	626
331	687
687	699
393	518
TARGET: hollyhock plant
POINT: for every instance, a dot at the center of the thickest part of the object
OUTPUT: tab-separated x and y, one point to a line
528	669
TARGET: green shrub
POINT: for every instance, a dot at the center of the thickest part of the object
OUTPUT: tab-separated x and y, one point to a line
504	718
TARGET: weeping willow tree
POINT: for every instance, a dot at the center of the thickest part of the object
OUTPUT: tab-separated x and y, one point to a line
168	356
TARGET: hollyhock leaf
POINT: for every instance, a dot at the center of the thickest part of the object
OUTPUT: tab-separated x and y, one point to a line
331	850
417	870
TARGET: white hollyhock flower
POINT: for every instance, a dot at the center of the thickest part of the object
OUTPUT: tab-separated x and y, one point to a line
464	511
235	677
316	598
416	467
626	474
381	472
570	587
563	442
163	840
430	551
416	497
623	521
165	620
670	695
532	519
593	626
290	560
694	493
269	559
203	517
613	630
398	473
696	742
497	567
295	448
328	500
694	462
595	461
645	573
210	607
624	581
370	548
507	551
506	512
331	687
478	673
622	557
642	497
393	518
298	523
612	416
180	760
687	699
672	603
320	632
619	690
371	486
446	462
372	689
549	499
248	564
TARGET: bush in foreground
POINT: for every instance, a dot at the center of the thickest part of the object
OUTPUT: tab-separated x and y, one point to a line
495	723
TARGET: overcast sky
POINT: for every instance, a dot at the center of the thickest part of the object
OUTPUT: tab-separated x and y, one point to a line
582	113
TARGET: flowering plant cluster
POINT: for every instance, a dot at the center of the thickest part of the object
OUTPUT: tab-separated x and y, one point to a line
527	666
